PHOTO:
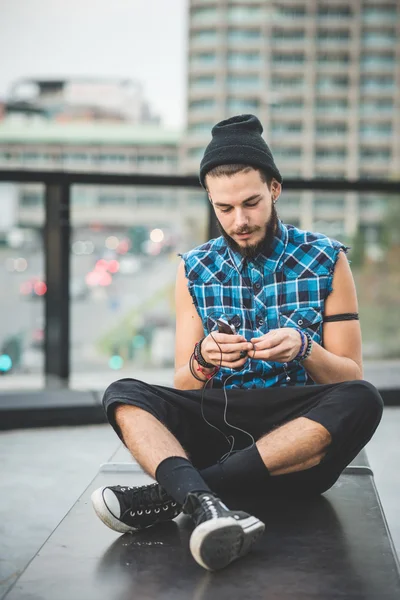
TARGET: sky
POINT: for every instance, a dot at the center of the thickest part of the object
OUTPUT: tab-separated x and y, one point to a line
144	40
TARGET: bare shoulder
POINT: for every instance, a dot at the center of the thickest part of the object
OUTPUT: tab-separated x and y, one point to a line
343	297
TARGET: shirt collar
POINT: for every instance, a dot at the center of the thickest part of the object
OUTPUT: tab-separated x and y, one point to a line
271	262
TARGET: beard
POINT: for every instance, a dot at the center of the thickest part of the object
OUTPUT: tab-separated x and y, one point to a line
265	245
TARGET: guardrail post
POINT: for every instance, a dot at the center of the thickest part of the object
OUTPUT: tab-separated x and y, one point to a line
57	257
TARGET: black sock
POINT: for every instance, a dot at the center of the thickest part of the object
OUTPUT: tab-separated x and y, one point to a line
242	472
178	477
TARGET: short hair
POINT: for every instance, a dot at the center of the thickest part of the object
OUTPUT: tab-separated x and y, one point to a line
229	170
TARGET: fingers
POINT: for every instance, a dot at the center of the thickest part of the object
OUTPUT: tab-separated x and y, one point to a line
269	340
236	364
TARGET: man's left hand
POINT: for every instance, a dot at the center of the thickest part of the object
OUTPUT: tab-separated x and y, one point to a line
278	345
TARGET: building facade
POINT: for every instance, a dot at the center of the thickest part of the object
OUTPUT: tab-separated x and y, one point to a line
324	79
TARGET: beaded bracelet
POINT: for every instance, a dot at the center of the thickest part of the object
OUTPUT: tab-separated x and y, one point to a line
309	347
303	344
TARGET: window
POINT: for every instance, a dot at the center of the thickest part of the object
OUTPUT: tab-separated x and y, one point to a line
243	58
378	60
381	105
201	127
338	12
203	58
288	152
202	81
336	105
333	35
294	81
326	58
205	13
204	36
243	35
289	59
287	104
327	82
111	199
330	153
290	11
242	104
376	153
380	11
283	127
150	158
245	80
288	34
375	129
379	37
202	104
238	14
331	128
376	82
149	199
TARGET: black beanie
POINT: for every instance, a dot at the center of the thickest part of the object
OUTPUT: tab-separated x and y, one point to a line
238	141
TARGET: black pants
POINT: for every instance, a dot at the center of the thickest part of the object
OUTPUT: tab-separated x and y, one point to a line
350	411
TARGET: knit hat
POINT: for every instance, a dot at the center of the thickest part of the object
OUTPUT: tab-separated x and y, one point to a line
238	141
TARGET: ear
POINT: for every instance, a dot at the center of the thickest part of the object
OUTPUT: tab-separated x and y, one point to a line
276	188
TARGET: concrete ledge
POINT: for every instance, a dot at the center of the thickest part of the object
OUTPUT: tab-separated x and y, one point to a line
52	408
49	408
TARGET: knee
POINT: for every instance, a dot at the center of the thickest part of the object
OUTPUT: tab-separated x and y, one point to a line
367	398
124	412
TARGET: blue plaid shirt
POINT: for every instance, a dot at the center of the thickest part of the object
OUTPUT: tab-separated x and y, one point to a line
288	288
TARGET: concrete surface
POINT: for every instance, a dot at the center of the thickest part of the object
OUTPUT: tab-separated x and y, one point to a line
44	471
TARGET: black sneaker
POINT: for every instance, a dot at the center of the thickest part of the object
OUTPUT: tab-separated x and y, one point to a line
221	535
126	509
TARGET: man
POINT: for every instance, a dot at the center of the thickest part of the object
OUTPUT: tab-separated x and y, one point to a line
288	408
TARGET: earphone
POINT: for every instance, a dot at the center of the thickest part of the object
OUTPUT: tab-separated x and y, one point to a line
231	439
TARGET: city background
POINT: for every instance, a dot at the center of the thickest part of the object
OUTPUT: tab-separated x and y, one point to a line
323	77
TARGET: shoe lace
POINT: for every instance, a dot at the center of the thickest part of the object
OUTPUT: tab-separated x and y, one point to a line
147	499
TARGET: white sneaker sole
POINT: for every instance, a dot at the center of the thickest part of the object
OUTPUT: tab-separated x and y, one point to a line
218	542
105	515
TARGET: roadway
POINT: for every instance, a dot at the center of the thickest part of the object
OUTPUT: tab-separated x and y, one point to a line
92	316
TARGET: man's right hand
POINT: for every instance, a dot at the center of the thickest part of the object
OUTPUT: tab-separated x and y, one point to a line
222	349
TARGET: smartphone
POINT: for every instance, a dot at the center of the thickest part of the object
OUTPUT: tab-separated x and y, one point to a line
225	327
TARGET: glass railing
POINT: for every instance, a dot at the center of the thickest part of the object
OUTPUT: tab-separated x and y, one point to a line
22	281
123	261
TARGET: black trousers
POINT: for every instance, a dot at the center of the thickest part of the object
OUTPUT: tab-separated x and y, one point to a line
350	411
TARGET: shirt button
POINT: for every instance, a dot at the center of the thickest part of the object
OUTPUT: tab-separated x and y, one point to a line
257	285
300	322
260	321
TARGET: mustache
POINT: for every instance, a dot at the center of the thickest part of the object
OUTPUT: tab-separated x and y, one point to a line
246	230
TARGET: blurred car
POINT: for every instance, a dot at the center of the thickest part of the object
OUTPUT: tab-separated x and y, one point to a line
35	287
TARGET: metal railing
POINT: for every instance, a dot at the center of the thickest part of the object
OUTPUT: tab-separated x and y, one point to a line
57	233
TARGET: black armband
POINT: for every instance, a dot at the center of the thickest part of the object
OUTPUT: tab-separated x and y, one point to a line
341	317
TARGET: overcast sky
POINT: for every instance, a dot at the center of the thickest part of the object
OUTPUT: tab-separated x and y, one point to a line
135	39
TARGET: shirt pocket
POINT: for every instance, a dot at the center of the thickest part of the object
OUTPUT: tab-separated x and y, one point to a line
309	318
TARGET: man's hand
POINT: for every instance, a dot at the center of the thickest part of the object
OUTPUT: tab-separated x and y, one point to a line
228	352
278	345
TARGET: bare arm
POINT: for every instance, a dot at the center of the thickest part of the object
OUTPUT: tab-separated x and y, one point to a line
189	330
341	357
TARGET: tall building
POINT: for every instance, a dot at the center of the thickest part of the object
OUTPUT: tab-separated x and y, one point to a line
324	79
